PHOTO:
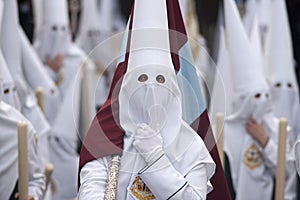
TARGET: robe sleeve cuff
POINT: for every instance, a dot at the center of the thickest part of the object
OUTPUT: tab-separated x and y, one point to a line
163	179
270	152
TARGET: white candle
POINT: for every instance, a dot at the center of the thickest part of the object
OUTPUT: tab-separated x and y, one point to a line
23	160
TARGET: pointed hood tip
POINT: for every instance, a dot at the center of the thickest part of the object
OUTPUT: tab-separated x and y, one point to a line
150	20
247	75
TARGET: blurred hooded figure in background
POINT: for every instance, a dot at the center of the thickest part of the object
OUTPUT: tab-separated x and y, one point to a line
251	131
66	64
99	22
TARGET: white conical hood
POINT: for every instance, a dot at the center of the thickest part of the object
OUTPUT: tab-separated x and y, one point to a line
251	11
255	40
55	12
37	17
264	18
89	15
156	48
8	87
10	42
280	66
279	46
222	89
247	76
89	35
106	15
54	37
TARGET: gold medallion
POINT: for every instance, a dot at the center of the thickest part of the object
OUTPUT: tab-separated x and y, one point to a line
253	157
140	190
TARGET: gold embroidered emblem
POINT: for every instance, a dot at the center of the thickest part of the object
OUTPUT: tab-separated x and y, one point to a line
253	157
140	190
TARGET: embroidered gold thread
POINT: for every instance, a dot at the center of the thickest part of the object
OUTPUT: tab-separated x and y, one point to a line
140	190
253	157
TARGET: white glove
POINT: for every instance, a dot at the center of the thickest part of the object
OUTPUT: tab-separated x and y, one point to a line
148	143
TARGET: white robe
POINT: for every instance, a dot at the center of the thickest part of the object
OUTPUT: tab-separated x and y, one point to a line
9	118
65	121
253	168
186	160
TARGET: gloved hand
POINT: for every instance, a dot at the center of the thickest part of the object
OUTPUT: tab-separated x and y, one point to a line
148	143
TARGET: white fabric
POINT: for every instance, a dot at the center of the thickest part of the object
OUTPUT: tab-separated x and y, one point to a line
256	183
64	133
54	37
32	63
280	68
264	17
252	167
193	164
110	16
9	118
146	25
150	95
184	8
95	38
251	12
222	89
246	73
146	135
89	35
8	87
11	46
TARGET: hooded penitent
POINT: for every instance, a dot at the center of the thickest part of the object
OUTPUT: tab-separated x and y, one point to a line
65	118
89	35
12	52
105	138
54	37
280	68
9	118
252	167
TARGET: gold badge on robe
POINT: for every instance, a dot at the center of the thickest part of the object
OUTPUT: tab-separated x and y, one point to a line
253	157
140	190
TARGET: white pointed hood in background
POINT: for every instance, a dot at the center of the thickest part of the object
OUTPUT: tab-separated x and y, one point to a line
8	91
247	76
55	12
251	12
9	38
222	89
256	43
264	17
106	17
281	67
10	45
111	18
281	63
54	37
89	27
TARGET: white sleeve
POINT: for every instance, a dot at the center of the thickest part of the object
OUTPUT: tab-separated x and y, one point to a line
270	155
36	179
93	178
165	182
